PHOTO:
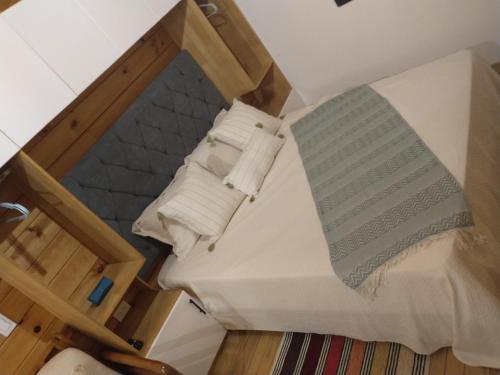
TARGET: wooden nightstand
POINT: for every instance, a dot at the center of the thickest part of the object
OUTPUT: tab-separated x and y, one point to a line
174	327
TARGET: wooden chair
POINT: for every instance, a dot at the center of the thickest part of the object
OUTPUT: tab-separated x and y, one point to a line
74	361
138	365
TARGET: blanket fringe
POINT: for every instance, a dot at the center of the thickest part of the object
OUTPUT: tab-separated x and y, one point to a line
464	238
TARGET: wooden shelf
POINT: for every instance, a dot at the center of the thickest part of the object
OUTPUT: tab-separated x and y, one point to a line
226	47
58	255
241	39
149	310
119	273
272	93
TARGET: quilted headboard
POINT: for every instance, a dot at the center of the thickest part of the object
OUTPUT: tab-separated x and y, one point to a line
138	157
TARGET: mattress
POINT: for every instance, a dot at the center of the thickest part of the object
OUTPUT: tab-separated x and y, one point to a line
271	268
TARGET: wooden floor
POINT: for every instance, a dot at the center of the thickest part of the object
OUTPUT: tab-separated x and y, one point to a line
252	353
247	352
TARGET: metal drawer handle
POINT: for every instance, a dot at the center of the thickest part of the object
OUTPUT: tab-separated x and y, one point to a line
197	306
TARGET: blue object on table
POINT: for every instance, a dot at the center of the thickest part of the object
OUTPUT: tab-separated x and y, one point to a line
100	291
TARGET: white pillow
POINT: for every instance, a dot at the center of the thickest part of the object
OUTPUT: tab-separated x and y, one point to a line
202	203
184	238
255	161
216	157
170	232
240	122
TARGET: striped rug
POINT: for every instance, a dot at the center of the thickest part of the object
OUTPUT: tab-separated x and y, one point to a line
310	354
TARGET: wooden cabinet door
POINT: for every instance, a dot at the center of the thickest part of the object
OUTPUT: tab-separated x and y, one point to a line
123	21
189	339
65	37
31	94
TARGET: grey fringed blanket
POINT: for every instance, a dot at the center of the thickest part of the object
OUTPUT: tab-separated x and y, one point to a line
378	188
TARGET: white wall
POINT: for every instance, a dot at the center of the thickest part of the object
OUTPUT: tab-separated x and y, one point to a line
323	49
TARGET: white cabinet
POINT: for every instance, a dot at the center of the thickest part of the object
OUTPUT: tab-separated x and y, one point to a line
31	94
123	21
161	7
189	339
65	37
7	149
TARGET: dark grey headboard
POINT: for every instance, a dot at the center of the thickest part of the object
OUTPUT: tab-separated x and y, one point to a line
137	158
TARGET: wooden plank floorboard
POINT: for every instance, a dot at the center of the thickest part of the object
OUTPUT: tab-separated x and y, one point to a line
253	353
247	353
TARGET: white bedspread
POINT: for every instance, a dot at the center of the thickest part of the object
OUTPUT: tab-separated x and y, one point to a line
271	271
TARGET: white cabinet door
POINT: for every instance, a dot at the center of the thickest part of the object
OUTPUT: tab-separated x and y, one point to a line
189	339
123	21
31	94
65	37
7	149
161	7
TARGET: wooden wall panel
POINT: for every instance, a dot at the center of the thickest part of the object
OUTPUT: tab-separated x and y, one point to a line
231	24
191	30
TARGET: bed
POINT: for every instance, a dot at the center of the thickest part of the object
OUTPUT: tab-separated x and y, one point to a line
270	270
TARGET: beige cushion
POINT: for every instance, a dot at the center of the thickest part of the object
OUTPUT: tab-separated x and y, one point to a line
255	161
202	203
240	122
170	232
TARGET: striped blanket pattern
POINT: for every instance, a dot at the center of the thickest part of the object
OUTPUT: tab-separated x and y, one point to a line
378	188
311	354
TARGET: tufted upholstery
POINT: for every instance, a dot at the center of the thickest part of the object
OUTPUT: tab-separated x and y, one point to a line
138	157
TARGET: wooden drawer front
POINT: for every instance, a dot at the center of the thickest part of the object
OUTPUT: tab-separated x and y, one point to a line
189	340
